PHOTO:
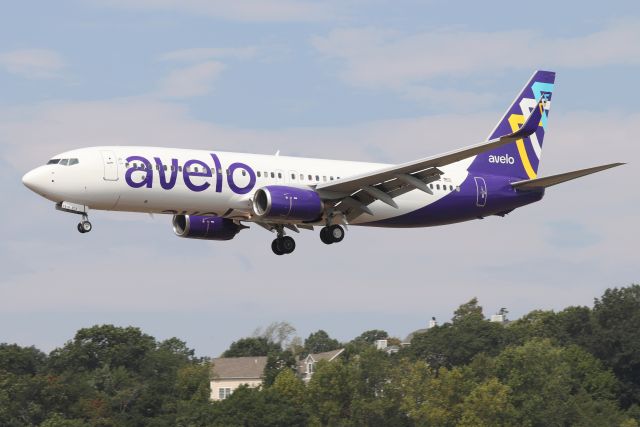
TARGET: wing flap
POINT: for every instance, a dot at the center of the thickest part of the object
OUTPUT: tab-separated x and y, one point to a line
548	181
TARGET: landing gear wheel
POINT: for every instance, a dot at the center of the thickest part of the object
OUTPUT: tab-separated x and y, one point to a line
336	233
283	245
80	229
86	226
275	247
325	236
287	244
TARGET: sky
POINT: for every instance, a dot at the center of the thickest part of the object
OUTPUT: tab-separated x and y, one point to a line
370	80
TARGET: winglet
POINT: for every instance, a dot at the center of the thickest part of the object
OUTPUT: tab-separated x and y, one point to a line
531	124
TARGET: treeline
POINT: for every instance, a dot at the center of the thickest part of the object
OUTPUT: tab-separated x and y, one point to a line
579	366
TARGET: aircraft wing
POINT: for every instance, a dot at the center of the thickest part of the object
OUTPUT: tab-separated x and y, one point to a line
548	181
353	194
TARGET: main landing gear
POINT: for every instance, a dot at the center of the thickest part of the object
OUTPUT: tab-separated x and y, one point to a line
283	245
331	234
84	226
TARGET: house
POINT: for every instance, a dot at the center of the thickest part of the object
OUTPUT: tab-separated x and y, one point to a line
229	373
306	366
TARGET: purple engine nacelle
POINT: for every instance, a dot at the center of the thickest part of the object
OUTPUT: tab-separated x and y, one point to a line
281	202
205	227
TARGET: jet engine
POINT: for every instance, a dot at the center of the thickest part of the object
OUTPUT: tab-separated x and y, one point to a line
288	203
205	227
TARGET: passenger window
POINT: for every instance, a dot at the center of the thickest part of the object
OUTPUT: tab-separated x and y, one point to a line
244	172
196	169
318	178
301	177
64	162
331	178
451	187
266	174
438	186
279	175
273	175
73	162
310	177
173	168
293	176
324	178
179	168
431	186
258	174
165	167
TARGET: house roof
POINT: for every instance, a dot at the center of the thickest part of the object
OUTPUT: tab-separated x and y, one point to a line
239	367
327	355
316	357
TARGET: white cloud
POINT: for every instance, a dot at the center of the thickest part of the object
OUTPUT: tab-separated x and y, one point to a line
238	10
401	62
33	63
203	54
195	80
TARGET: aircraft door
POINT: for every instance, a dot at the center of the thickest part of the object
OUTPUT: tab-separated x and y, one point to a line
110	165
481	187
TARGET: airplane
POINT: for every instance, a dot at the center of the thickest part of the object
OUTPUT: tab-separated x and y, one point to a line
212	195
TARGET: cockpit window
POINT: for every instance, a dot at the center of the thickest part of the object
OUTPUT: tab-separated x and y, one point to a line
63	162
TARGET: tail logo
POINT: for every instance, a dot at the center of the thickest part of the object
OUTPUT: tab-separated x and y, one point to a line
540	90
503	160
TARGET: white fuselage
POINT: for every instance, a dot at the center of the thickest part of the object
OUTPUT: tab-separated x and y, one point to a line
103	178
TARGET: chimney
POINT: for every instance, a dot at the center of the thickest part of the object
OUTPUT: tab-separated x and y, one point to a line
432	323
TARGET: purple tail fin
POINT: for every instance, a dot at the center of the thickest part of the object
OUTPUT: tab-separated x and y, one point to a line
521	158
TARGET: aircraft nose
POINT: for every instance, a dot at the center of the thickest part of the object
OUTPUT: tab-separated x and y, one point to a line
34	180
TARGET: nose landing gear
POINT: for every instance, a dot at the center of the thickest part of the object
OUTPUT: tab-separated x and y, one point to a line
84	226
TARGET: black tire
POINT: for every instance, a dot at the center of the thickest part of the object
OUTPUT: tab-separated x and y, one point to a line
80	229
275	247
287	244
336	233
325	237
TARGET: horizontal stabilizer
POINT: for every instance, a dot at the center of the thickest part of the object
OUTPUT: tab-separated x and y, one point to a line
548	181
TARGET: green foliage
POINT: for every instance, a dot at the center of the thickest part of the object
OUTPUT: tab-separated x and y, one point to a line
616	321
579	366
252	346
319	342
456	343
276	363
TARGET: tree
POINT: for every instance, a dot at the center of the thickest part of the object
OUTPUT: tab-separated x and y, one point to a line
280	333
456	343
372	336
21	360
319	342
616	323
566	385
252	346
278	362
330	392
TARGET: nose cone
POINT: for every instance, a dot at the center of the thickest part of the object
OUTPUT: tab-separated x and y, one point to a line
35	180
